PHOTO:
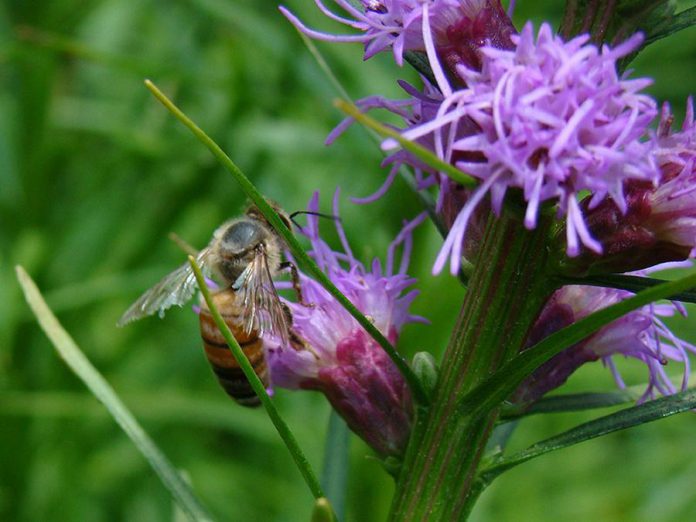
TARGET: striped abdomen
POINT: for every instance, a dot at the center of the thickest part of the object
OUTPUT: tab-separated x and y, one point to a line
220	357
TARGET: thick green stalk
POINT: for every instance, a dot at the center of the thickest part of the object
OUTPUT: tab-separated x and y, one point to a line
506	291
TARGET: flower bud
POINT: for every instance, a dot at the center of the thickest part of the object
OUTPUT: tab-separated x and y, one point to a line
425	368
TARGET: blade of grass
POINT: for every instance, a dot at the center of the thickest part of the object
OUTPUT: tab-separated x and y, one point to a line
294	246
417	150
78	363
323	64
498	387
258	387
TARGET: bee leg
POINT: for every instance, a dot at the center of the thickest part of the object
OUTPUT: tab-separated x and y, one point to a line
296	342
295	277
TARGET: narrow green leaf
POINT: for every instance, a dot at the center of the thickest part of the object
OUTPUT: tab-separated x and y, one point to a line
627	418
420	152
258	387
334	475
627	282
78	363
297	251
419	61
579	401
674	24
570	402
498	387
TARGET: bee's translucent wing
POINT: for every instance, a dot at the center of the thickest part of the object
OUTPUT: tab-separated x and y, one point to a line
261	305
175	288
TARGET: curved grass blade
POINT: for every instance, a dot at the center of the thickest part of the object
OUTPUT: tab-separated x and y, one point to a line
334	475
323	64
293	245
260	390
419	151
78	363
627	282
498	387
621	420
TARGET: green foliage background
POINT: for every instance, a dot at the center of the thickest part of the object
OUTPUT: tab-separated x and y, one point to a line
94	174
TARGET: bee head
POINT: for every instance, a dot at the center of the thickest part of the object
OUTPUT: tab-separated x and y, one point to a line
237	246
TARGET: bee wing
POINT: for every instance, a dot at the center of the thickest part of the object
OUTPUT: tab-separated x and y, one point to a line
174	289
261	305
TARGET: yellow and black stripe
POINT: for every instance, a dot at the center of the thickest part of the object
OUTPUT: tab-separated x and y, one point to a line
224	365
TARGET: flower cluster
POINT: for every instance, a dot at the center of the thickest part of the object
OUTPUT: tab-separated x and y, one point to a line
339	358
536	119
551	119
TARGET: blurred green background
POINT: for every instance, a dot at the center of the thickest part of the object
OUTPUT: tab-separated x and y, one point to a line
94	174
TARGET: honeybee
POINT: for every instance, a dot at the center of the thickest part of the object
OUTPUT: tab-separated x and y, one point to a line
246	255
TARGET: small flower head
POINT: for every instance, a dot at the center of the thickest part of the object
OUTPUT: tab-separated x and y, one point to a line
457	27
658	224
673	202
553	119
341	359
640	335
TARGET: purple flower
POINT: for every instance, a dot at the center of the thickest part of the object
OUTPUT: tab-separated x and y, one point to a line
340	359
553	119
456	27
640	335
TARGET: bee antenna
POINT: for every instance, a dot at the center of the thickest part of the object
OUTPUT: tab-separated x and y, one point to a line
310	213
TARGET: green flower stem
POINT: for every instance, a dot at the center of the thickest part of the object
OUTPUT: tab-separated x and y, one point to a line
260	390
421	153
297	251
507	289
100	388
